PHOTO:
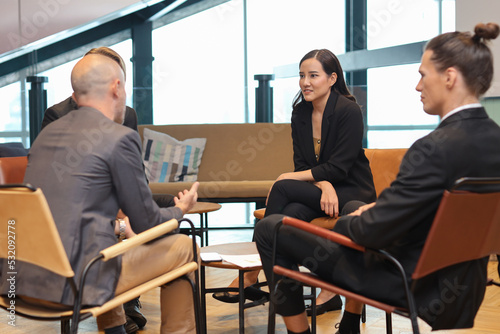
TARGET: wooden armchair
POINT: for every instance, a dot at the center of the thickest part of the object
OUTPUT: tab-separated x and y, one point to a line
24	212
384	164
463	217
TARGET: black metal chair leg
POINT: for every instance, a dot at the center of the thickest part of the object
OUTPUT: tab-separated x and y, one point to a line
388	323
65	326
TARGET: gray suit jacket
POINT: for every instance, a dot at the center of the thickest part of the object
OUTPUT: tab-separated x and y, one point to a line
465	144
88	167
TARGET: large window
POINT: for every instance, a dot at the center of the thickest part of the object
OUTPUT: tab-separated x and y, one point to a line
278	37
14	111
215	83
395	114
11	115
198	73
59	85
59	82
395	117
396	22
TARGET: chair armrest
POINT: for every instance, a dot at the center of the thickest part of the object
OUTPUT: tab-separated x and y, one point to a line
139	239
323	233
259	213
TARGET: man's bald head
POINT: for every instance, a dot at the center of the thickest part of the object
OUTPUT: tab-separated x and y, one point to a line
93	74
99	82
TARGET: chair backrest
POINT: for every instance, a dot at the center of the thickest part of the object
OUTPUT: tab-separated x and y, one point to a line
384	164
28	232
12	169
466	227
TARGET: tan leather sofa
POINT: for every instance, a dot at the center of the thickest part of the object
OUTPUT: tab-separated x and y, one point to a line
241	161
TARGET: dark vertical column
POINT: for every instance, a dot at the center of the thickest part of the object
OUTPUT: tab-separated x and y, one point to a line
142	60
37	104
263	106
356	39
264	99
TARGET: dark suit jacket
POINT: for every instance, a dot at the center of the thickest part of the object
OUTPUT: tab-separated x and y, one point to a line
465	144
88	167
342	159
62	108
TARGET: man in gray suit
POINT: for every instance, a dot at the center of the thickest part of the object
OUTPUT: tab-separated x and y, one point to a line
88	167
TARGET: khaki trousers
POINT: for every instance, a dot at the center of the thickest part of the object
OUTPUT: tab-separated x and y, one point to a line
149	261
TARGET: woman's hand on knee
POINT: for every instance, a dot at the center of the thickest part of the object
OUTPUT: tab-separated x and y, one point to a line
329	200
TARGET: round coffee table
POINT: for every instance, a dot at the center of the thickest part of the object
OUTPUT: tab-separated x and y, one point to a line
238	248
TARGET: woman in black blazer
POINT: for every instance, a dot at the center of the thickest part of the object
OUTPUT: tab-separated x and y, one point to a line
331	168
327	133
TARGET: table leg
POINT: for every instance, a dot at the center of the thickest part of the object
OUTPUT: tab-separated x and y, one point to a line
205	228
203	301
241	301
202	230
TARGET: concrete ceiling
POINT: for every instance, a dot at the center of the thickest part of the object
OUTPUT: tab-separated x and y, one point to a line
26	21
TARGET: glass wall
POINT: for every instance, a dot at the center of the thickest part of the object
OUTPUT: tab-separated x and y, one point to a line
14	111
395	115
396	22
394	107
198	72
11	115
215	83
59	85
278	37
205	63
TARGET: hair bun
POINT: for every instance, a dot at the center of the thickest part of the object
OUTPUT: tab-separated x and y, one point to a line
486	31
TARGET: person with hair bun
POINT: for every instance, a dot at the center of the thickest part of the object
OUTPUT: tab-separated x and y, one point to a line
456	69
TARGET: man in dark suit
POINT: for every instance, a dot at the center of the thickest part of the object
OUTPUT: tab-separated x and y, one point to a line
466	143
89	166
62	108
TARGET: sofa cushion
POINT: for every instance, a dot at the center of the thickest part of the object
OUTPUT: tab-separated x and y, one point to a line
167	159
224	191
12	150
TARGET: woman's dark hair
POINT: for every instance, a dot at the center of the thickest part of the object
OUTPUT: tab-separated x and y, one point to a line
468	53
330	64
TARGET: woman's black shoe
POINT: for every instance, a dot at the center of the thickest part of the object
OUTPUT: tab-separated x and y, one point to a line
255	294
335	303
226	297
251	293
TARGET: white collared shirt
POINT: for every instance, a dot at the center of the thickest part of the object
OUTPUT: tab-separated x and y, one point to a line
467	106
